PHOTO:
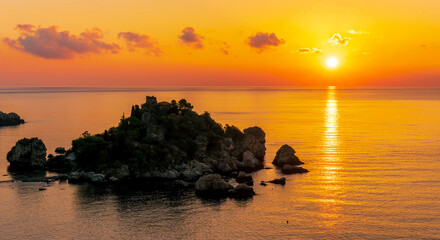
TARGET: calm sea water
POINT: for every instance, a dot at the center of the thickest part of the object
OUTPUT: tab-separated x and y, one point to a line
373	156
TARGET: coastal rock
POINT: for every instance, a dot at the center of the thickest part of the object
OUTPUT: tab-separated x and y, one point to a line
281	181
10	119
93	177
225	165
212	185
169	174
199	167
243	177
184	184
59	164
257	132
191	175
113	179
286	155
253	141
75	176
166	174
289	169
226	147
256	142
120	172
241	191
202	145
250	163
27	154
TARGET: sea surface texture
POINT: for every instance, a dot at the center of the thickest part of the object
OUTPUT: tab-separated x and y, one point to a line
373	156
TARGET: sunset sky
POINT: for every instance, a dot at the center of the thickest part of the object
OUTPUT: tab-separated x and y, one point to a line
219	43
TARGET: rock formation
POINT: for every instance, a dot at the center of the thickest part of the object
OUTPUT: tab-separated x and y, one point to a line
241	191
286	155
281	181
10	119
160	140
289	169
212	185
27	154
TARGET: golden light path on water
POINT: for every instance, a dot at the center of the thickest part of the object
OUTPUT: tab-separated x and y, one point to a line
331	161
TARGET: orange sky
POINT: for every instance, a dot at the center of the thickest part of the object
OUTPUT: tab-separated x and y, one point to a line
199	42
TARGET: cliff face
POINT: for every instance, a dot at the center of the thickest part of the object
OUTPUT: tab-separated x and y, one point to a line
10	119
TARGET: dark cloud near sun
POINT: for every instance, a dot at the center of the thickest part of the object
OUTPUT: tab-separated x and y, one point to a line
262	41
309	50
338	40
138	41
191	38
50	43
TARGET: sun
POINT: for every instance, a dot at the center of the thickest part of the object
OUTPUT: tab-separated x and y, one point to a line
332	62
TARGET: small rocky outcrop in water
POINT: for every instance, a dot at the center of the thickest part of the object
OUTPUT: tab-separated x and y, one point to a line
289	169
212	185
10	119
281	181
286	155
241	191
287	161
27	154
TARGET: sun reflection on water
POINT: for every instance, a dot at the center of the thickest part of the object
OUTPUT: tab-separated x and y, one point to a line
330	169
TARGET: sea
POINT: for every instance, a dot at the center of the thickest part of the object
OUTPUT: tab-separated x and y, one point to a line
373	156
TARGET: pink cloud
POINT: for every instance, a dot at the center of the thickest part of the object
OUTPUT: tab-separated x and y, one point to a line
262	41
191	38
53	44
137	41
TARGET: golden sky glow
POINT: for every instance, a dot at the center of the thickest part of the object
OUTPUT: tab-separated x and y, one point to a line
197	42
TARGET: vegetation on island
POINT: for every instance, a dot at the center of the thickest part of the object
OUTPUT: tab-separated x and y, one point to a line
154	136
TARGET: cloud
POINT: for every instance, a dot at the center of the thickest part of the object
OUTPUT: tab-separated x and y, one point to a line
191	38
53	44
309	50
225	48
262	41
136	40
353	32
337	40
24	27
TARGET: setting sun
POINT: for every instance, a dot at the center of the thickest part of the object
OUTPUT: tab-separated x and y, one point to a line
219	119
332	62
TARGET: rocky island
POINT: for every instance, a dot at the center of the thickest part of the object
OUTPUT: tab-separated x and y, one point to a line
10	119
166	141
